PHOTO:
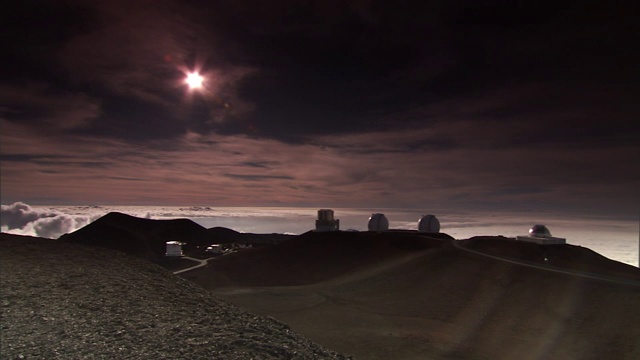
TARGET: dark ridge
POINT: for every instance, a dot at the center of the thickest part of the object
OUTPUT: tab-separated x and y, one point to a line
223	232
146	238
175	229
399	295
313	257
564	256
223	235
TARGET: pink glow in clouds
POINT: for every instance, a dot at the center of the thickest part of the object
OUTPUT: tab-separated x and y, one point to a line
367	169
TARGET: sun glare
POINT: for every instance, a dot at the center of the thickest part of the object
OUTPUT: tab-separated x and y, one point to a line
194	80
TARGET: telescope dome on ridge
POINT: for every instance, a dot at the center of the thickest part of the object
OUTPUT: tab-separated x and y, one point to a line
429	224
326	221
539	231
378	222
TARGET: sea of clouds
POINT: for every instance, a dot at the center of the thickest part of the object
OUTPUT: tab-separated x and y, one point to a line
53	221
20	218
612	237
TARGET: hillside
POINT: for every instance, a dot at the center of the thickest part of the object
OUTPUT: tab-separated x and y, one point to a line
146	238
311	257
407	295
69	301
143	238
434	300
564	256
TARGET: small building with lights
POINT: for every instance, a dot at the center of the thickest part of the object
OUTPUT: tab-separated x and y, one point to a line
215	249
173	249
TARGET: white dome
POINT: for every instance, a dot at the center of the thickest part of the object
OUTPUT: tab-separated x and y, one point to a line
429	224
378	222
539	231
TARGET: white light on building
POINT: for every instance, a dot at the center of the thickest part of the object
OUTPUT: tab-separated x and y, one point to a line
214	249
174	249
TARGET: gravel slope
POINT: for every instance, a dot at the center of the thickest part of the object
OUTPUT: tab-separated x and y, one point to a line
61	301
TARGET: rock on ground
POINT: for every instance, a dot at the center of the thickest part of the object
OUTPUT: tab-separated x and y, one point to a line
61	301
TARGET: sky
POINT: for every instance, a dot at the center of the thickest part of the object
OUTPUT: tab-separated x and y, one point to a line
428	104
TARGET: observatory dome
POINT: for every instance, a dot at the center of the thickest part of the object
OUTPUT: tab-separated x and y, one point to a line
539	231
378	222
326	221
429	224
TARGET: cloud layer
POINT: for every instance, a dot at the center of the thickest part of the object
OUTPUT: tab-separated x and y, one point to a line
19	218
389	169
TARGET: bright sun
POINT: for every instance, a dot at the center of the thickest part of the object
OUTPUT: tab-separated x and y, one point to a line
194	80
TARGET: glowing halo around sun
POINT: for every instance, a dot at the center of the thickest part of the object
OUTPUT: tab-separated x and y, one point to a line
194	80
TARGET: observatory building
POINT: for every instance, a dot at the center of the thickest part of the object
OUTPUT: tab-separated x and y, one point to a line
539	234
326	222
378	222
429	224
174	249
214	249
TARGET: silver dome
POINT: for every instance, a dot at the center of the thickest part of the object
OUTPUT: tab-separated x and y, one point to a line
539	231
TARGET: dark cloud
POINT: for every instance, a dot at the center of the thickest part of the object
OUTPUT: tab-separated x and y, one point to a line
252	177
261	164
46	106
335	68
126	178
290	70
355	102
116	69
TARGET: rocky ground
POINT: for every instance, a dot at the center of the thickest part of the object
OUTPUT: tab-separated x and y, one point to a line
62	301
